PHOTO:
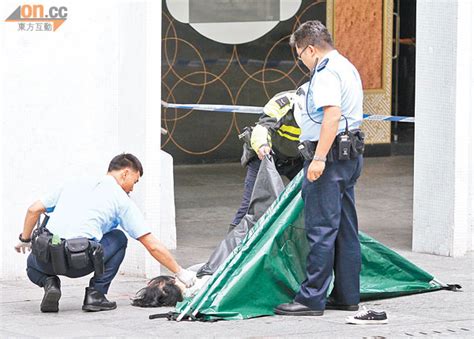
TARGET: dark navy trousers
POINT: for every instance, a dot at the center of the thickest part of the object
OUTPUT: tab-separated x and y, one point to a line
252	170
114	244
289	170
332	233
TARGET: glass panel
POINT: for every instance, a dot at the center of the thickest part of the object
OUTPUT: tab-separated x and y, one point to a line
233	10
196	69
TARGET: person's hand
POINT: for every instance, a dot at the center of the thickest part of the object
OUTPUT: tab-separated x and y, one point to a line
22	247
187	277
315	170
262	151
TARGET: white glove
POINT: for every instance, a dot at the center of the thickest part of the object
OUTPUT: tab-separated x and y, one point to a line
262	151
23	247
187	277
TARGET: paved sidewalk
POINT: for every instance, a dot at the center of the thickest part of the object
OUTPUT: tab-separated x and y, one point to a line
384	197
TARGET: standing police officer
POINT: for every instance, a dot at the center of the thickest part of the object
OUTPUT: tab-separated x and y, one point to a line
334	113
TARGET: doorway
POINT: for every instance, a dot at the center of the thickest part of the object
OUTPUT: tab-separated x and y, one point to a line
403	79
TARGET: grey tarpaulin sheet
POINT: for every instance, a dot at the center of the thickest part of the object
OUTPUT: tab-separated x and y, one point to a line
268	186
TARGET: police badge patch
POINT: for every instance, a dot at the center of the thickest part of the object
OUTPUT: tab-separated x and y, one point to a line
282	102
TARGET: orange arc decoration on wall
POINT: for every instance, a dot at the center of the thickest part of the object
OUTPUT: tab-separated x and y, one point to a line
250	74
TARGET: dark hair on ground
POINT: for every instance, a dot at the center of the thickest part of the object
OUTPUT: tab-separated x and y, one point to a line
311	33
160	291
125	160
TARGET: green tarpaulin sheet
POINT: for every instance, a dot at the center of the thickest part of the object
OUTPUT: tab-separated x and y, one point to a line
269	265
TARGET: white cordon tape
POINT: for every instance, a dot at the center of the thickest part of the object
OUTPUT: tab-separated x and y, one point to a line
259	110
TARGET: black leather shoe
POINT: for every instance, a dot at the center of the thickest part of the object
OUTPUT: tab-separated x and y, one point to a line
96	301
295	308
331	304
52	294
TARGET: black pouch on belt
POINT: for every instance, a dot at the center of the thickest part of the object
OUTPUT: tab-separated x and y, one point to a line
40	246
58	258
358	143
77	253
97	255
307	149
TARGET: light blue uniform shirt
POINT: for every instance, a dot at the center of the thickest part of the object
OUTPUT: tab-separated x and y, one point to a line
92	207
335	82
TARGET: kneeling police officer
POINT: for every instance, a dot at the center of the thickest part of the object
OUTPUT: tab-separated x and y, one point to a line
82	237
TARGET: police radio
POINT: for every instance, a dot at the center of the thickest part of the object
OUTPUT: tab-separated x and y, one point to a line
344	142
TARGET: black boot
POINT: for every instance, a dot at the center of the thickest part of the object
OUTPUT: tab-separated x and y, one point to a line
52	294
295	308
332	304
96	301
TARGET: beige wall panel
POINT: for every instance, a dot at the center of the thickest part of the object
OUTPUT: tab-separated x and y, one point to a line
362	31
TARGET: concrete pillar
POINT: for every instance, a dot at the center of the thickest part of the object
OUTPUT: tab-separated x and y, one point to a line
443	178
139	93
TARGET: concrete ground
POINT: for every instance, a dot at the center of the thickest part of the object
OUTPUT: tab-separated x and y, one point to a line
206	198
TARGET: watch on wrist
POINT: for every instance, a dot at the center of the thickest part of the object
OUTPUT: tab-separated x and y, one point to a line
318	158
24	240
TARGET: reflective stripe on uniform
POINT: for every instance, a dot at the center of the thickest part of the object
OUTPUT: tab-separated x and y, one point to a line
287	136
290	129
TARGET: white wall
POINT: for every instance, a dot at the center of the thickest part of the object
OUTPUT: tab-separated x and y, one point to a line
72	99
443	183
